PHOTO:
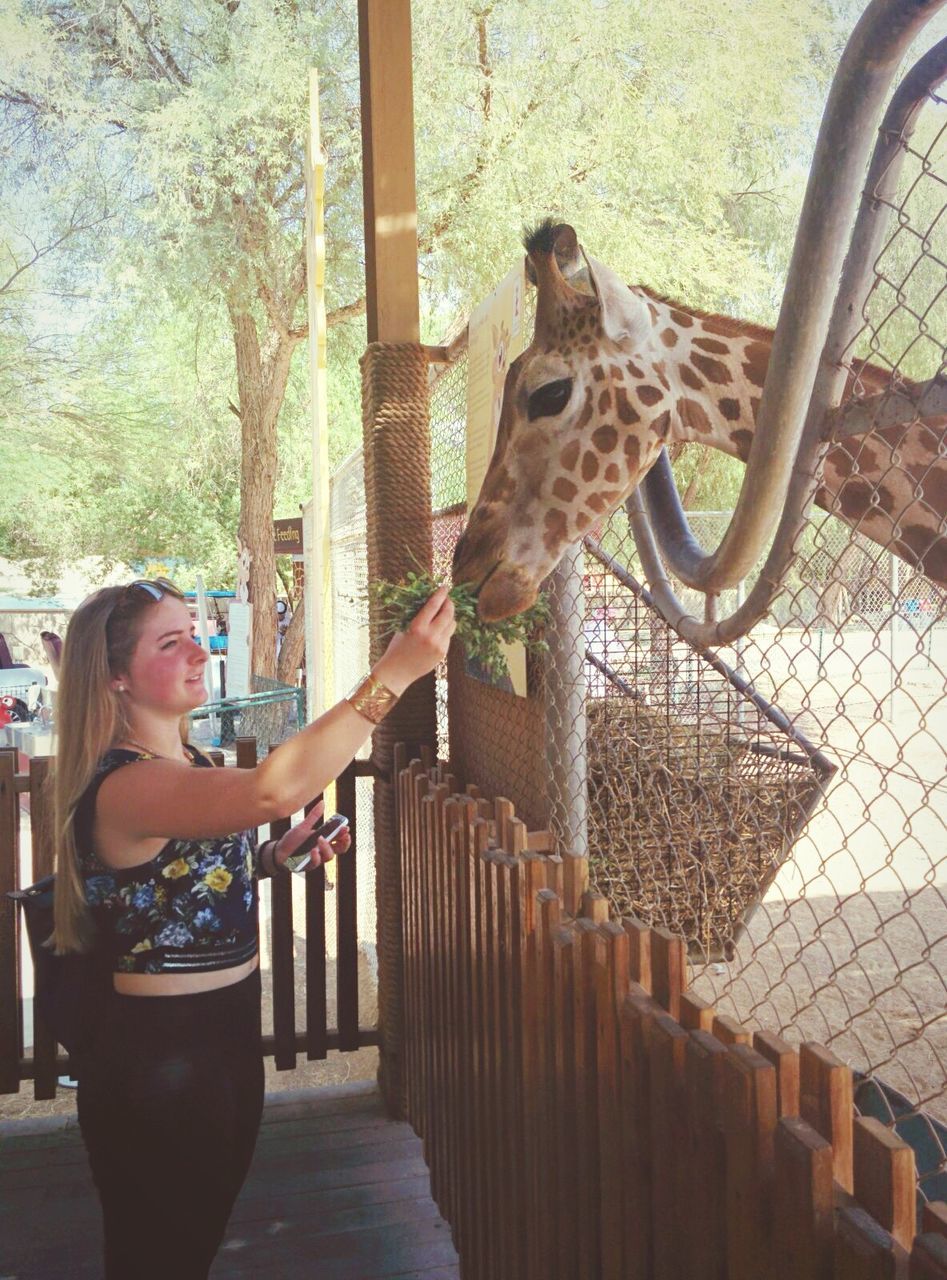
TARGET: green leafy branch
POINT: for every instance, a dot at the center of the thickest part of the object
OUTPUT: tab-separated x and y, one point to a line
401	601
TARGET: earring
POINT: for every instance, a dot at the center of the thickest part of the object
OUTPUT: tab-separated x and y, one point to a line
120	688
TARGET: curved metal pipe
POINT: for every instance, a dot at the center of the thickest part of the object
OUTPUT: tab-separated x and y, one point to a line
871	58
880	187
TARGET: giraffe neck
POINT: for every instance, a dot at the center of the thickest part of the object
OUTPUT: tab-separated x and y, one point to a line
712	370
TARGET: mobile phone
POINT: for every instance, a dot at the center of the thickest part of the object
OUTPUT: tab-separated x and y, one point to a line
328	830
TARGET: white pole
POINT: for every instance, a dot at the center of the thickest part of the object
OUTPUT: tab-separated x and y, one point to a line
318	600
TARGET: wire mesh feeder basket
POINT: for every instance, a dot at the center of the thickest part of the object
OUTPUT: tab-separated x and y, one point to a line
688	823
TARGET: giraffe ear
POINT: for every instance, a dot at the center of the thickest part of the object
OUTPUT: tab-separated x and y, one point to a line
624	315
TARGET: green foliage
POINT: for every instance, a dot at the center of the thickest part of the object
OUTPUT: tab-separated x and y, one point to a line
153	154
401	602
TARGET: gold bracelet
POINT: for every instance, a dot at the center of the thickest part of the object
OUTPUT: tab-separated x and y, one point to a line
372	699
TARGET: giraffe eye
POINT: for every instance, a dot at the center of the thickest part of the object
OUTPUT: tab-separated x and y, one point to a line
549	400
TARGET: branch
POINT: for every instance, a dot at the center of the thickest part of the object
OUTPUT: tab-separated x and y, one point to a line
347	312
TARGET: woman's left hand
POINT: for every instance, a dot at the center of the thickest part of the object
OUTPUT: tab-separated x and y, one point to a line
324	851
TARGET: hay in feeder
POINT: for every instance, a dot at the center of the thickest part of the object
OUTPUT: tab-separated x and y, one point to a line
689	823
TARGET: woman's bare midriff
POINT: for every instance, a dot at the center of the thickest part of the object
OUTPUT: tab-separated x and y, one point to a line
181	984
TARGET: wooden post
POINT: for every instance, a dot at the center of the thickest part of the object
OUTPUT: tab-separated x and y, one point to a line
390	212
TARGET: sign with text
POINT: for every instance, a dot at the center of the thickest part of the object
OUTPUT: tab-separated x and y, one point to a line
288	537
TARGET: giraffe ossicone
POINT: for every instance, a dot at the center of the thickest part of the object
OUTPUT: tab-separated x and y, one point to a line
615	372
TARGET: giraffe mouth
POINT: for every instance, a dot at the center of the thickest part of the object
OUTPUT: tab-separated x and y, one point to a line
475	591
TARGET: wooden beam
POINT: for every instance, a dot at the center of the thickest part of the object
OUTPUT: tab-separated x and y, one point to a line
390	202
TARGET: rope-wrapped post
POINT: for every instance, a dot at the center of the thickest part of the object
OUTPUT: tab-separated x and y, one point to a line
398	517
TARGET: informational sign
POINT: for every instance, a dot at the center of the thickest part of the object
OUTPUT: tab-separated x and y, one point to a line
239	633
494	340
288	537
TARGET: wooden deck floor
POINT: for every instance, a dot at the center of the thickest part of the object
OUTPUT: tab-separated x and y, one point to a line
336	1192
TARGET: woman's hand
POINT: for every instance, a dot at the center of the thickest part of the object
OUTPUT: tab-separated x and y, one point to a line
418	650
324	851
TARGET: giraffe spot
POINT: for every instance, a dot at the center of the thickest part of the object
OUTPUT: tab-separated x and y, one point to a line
596	503
582	521
662	424
598	373
633	451
682	319
693	416
564	489
605	438
823	498
570	455
658	368
585	417
669	337
712	345
589	465
649	395
653	312
729	408
854	497
612	473
756	361
932	483
926	548
691	378
604	402
626	412
721	325
742	441
557	529
633	369
755	406
713	370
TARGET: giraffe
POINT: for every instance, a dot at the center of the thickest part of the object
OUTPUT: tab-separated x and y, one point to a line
615	373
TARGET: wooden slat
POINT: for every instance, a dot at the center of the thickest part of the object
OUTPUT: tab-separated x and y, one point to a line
863	1250
9	985
929	1258
696	1014
480	1261
543	1240
466	1081
826	1100
668	969
284	977
885	1178
803	1202
705	1157
515	873
586	953
934	1217
317	1032
563	1012
639	952
669	1199
749	1119
575	870
41	823
635	1016
346	907
728	1031
786	1061
611	986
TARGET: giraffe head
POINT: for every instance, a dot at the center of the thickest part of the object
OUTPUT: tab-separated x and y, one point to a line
576	432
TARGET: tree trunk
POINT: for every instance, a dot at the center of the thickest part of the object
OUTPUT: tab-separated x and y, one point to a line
261	380
293	648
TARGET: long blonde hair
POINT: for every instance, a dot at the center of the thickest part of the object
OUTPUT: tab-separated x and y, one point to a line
100	641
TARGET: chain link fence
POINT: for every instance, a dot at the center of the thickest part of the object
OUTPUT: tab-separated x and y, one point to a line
781	803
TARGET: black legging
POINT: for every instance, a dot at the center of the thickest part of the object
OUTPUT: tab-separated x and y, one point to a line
169	1105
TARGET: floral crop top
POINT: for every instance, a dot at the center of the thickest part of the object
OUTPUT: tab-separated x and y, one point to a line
191	908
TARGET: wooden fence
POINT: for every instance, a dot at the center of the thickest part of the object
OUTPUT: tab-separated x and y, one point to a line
585	1118
24	797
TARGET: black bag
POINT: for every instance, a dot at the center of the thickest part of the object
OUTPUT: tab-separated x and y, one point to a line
70	991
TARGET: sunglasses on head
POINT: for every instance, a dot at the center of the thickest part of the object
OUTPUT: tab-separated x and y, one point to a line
157	588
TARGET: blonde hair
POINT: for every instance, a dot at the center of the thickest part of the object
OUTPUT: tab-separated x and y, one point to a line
99	645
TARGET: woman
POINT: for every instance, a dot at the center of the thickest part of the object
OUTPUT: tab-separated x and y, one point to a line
157	865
